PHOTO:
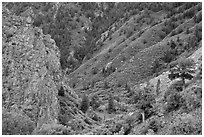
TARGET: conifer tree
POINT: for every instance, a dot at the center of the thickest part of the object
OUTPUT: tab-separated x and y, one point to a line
158	87
94	102
84	103
182	69
111	107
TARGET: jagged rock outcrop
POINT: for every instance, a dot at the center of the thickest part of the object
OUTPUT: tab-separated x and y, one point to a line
31	70
32	78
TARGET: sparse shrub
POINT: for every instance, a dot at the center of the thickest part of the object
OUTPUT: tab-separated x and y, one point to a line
189	13
38	21
106	86
158	87
186	125
122	40
169	55
187	31
94	70
61	91
178	39
73	85
155	66
174	102
120	84
154	23
134	38
110	38
180	30
120	33
183	71
111	106
199	75
93	116
173	32
107	56
16	124
198	33
166	29
129	90
124	58
85	85
140	33
109	50
198	18
155	125
173	18
93	83
141	129
162	35
135	28
193	98
94	102
129	33
53	129
173	44
144	99
177	85
145	41
84	103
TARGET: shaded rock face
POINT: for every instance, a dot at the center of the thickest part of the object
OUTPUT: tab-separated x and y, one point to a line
31	70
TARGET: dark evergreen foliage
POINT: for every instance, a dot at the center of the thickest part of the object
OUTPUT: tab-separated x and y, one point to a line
111	106
61	92
95	102
84	103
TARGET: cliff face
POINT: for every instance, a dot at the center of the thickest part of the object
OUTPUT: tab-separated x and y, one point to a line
34	88
31	69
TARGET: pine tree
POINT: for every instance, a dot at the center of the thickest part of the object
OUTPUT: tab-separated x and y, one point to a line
130	92
184	68
84	103
155	66
95	102
111	107
158	87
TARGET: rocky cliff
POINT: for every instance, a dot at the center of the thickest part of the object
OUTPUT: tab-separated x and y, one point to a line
32	77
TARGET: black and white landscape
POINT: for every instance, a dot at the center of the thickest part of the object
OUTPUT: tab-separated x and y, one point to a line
102	68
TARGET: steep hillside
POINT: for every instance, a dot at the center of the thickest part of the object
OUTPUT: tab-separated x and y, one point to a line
36	98
118	68
121	50
141	58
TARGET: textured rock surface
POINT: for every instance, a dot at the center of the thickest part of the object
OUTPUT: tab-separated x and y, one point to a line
32	78
31	70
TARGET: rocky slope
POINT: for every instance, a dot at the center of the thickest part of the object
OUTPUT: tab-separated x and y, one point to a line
116	92
32	80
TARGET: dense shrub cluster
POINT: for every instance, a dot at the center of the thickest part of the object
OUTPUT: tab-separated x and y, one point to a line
174	102
185	125
144	99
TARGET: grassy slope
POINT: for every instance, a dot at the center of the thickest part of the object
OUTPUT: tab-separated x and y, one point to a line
122	49
131	56
134	59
